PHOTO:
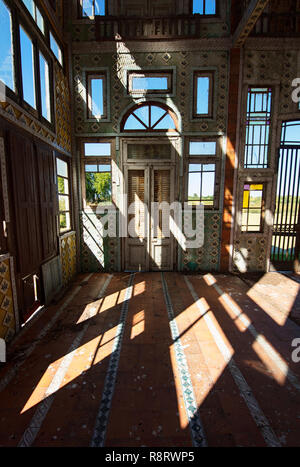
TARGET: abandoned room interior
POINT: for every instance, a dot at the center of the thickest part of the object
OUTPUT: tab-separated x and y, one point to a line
150	223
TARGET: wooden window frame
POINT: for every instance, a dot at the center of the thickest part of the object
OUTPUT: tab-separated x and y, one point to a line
90	75
40	44
37	48
263	208
204	161
97	160
247	120
208	160
68	161
149	74
150	129
204	74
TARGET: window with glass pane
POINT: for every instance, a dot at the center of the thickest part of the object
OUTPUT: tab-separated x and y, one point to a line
56	49
203	148
63	195
203	89
45	87
201	184
98	184
253	204
258	124
28	69
97	149
150	82
150	117
6	50
35	13
91	8
97	96
204	7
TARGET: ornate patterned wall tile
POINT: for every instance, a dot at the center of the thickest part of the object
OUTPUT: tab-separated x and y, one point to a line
68	257
7	316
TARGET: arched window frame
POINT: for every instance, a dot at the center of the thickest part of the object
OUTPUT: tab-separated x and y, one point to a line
150	129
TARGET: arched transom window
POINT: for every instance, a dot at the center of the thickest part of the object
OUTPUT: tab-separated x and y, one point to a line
150	117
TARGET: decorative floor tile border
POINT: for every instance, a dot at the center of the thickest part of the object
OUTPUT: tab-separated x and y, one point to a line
259	338
245	391
195	423
102	419
14	369
40	414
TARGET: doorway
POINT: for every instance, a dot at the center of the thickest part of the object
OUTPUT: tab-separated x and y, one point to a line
149	245
285	253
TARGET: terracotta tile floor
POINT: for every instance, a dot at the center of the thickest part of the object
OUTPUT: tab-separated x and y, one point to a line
157	360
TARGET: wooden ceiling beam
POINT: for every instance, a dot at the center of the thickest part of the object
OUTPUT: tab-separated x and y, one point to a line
248	21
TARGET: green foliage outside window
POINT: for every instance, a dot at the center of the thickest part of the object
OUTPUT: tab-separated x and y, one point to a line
98	188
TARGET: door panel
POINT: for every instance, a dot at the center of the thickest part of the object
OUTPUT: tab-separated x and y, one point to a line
48	203
161	241
26	203
136	244
151	249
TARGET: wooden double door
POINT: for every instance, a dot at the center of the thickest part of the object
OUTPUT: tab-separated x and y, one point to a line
149	245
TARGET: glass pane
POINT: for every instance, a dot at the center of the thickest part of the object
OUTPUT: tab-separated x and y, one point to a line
167	123
91	168
97	97
255	199
292	134
63	186
87	8
209	167
55	48
27	61
100	7
45	88
30	6
104	168
97	149
62	168
133	124
210	7
208	188
198	7
64	221
203	148
202	95
40	20
149	83
63	203
98	188
6	50
195	167
194	186
156	114
143	114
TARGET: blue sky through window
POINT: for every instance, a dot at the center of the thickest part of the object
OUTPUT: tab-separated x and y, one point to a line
45	88
55	48
149	83
97	97
97	149
93	7
27	62
204	7
202	95
6	56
